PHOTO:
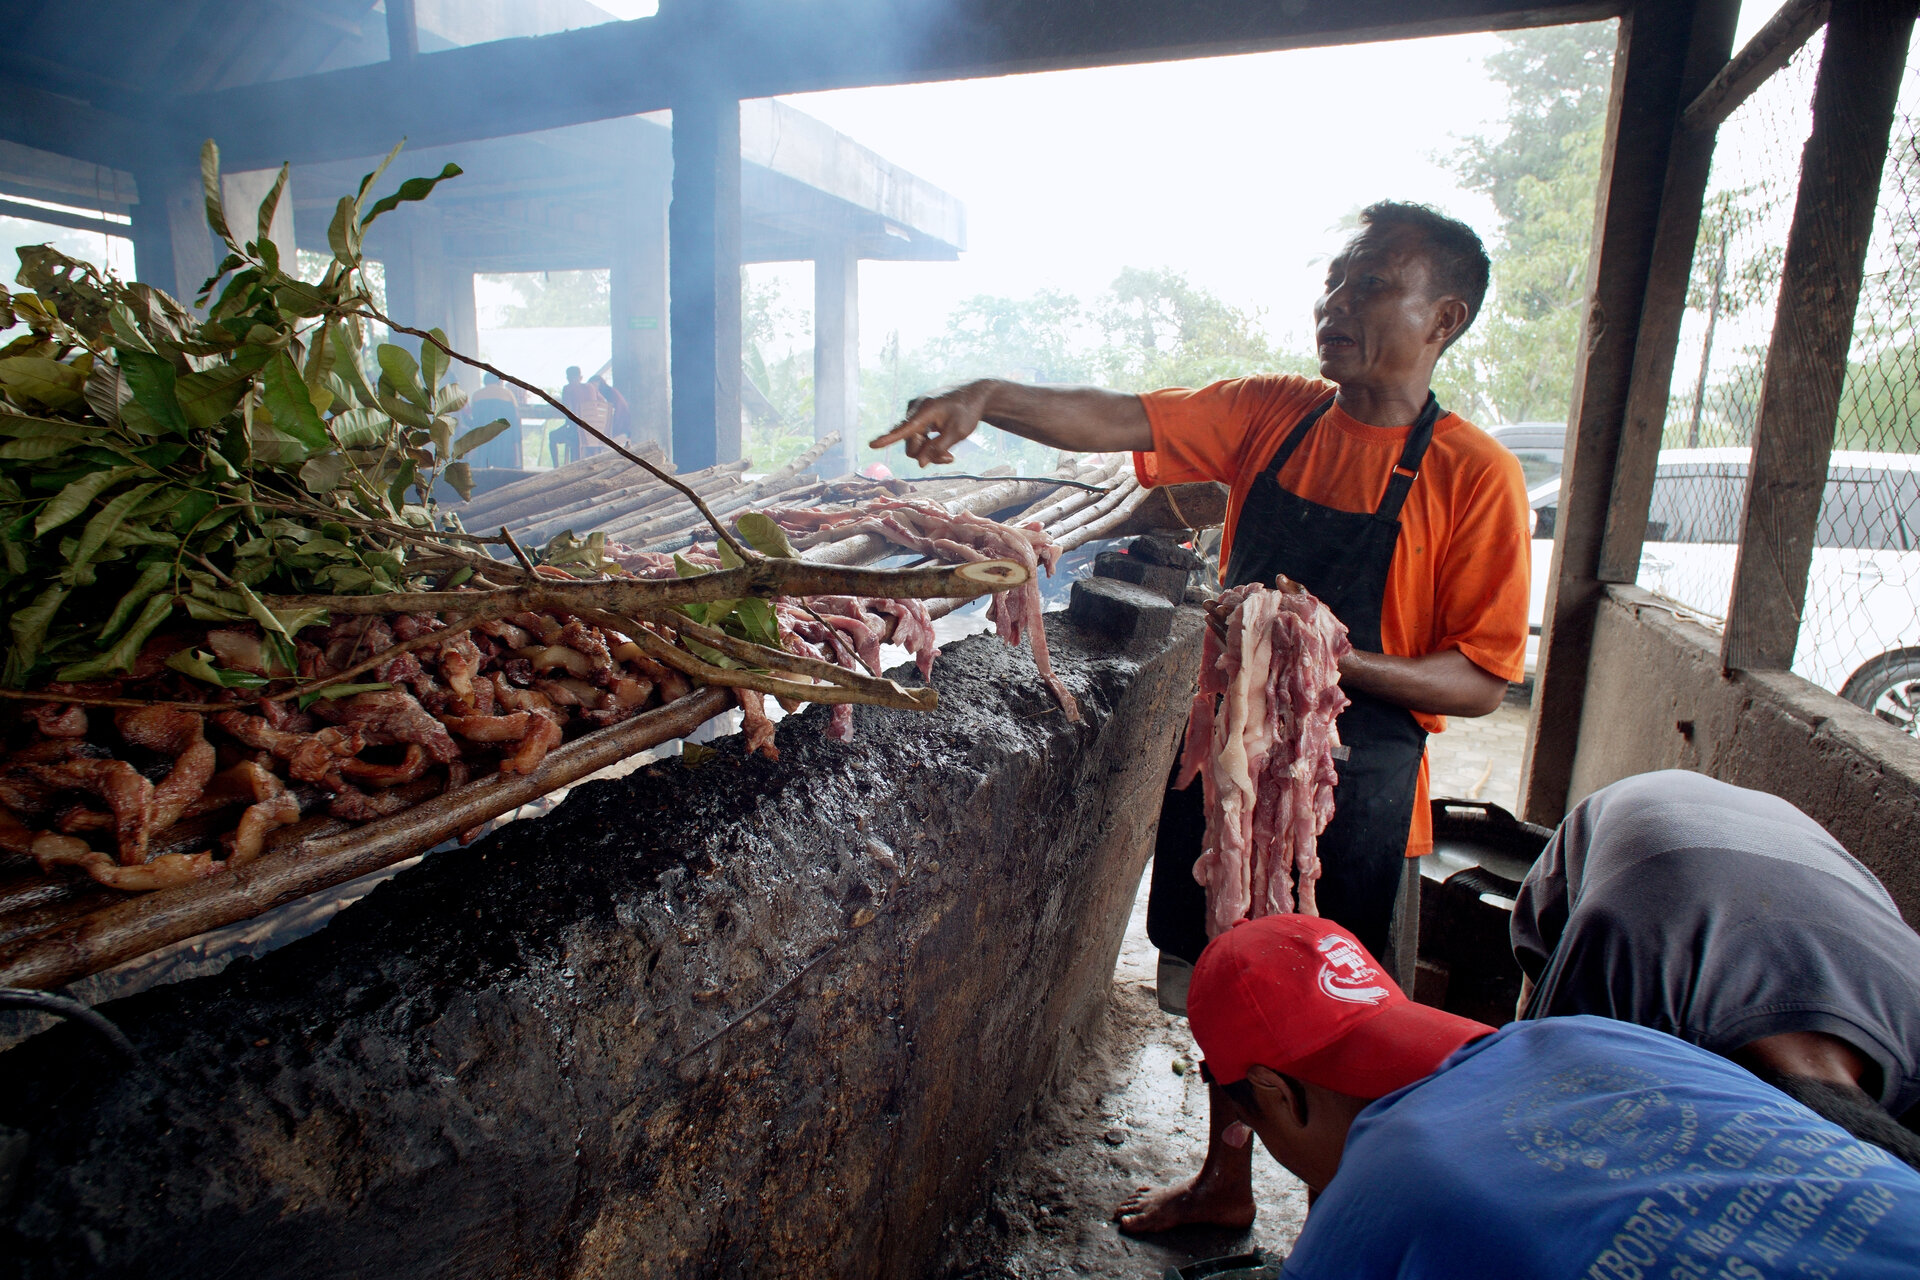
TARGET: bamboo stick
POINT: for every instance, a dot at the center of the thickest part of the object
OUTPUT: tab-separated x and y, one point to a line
1104	527
1088	515
764	577
488	506
136	926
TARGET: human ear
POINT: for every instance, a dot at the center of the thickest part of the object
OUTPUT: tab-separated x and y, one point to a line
1449	318
1278	1094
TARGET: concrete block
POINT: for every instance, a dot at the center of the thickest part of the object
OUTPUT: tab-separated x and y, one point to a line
1121	611
1165	551
1157	578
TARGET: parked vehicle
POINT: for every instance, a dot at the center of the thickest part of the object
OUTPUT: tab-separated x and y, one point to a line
1538	445
1860	628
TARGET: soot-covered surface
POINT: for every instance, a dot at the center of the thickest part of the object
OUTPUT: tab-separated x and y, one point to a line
749	1018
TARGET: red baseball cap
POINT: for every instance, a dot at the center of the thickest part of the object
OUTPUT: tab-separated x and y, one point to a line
1300	995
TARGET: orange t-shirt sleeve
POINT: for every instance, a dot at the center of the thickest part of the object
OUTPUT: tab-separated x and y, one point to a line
1198	434
1480	596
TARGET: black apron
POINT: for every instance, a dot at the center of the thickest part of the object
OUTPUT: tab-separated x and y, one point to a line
1343	558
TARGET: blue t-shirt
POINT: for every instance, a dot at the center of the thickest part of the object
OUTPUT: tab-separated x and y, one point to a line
1583	1147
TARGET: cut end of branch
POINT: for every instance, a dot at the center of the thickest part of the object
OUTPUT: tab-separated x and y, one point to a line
994	575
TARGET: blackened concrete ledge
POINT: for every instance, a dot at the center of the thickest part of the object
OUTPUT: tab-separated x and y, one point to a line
749	1018
1657	698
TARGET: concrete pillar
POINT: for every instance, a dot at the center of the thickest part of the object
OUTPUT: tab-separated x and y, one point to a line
836	354
637	285
417	292
172	244
463	325
703	231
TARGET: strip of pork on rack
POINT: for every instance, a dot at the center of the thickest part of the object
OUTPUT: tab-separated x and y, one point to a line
1262	739
964	538
845	630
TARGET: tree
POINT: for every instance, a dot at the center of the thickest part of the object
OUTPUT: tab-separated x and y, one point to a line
1542	174
562	299
1162	331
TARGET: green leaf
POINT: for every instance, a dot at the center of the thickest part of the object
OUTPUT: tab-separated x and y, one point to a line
29	626
433	362
728	559
687	568
343	233
319	359
757	621
73	499
199	664
126	330
270	205
211	394
473	439
340	691
763	535
57	386
120	657
398	365
105	523
459	477
153	381
196	506
210	187
347	365
405	414
411	189
34	450
21	426
323	472
441	432
366	183
693	754
397	490
292	407
152	577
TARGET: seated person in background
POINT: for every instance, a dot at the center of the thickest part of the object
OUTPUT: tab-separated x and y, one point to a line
1729	918
619	412
584	402
491	402
1569	1147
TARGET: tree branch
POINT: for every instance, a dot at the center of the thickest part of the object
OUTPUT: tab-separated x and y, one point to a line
744	552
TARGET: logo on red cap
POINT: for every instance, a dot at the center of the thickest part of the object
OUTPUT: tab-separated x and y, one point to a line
1346	973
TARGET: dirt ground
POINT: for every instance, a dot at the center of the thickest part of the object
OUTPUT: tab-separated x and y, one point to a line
1135	1113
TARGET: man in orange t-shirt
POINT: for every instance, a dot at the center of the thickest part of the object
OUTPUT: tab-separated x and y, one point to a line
1410	523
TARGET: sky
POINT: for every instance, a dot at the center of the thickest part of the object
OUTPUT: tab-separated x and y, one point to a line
1235	171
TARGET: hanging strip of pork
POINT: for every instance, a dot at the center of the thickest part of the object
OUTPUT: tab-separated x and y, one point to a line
964	538
1262	737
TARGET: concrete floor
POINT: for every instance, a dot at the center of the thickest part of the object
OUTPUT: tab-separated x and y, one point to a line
1135	1113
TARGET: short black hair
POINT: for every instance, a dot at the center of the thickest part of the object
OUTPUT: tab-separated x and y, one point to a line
1853	1110
1460	263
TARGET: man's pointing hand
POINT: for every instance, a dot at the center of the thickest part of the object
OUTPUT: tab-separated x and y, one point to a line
935	424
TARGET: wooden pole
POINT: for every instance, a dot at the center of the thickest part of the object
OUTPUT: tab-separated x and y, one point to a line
403	31
1853	105
1667	48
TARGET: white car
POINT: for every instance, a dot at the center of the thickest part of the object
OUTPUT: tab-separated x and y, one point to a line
1860	629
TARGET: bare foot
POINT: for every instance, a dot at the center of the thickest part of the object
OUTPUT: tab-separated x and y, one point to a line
1200	1201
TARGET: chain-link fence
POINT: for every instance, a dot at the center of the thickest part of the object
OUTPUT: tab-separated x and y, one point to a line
1860	629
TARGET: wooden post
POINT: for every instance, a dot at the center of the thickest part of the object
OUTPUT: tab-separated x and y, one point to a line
836	354
703	263
1667	50
1662	310
1853	104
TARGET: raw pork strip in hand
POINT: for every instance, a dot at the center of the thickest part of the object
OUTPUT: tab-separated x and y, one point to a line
1261	737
